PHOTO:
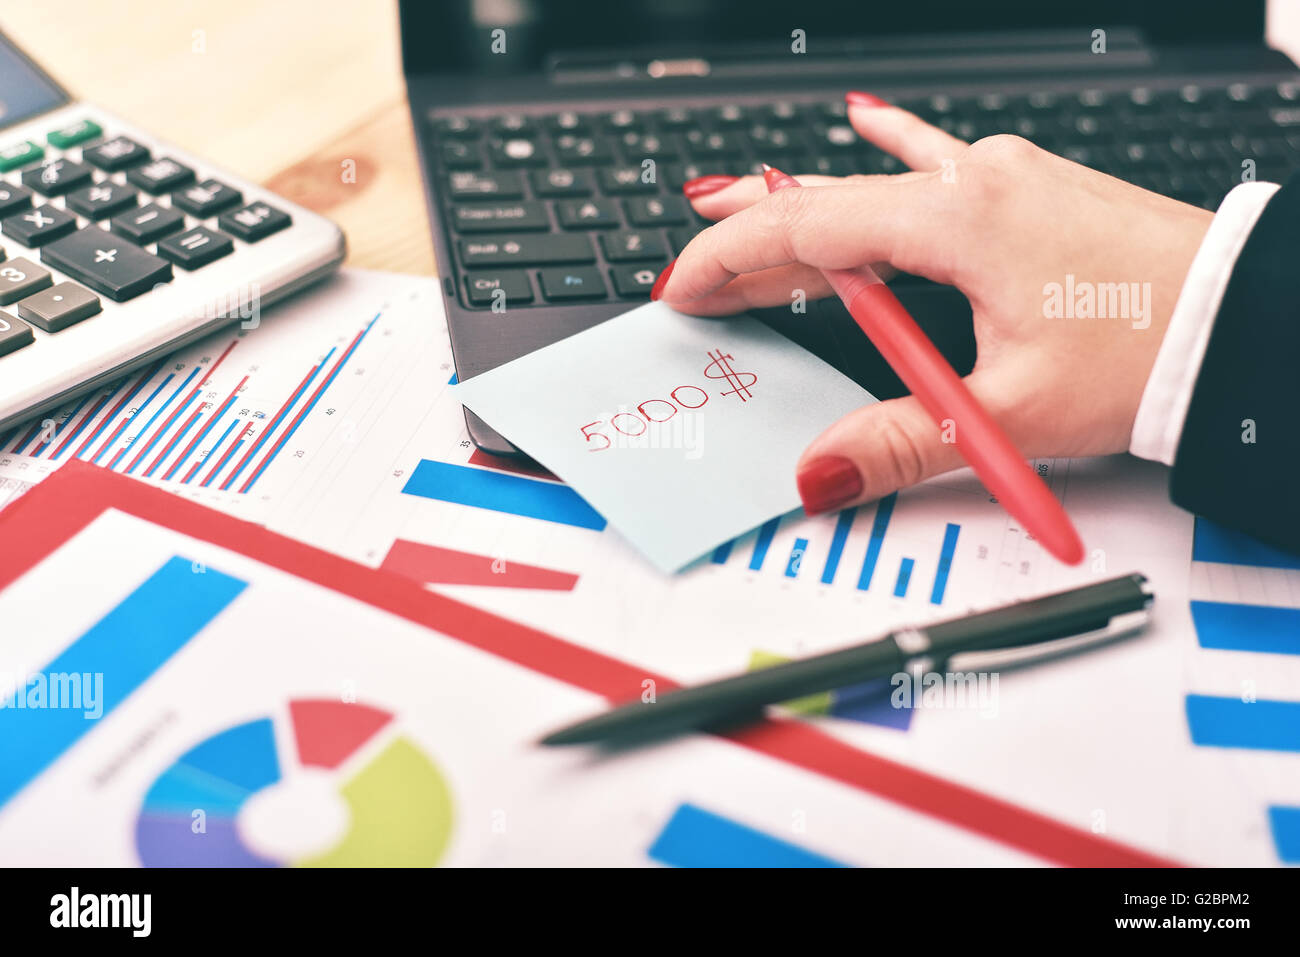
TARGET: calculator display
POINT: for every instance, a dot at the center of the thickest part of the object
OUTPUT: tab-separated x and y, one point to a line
24	90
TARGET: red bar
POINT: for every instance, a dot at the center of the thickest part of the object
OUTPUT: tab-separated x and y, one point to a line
29	436
175	438
233	445
446	566
198	435
220	359
519	466
116	409
162	428
272	420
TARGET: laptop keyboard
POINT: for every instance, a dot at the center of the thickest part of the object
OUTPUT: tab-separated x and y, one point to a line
572	207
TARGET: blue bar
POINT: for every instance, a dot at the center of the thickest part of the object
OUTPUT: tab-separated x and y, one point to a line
1213	543
302	417
1284	822
1233	723
144	405
98	407
904	576
216	417
945	563
233	423
161	409
762	543
837	544
126	647
1265	628
453	380
54	437
502	492
176	417
884	509
694	837
234	455
105	422
723	552
796	557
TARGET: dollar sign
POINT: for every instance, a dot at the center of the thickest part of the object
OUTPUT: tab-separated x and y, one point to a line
720	368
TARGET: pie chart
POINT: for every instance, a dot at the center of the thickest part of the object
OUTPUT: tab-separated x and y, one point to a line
354	792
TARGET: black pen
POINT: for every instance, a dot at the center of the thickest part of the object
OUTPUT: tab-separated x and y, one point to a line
1010	636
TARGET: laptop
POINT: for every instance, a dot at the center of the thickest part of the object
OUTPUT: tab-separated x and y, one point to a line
537	120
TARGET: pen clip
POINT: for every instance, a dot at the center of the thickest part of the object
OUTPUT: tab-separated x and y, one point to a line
993	659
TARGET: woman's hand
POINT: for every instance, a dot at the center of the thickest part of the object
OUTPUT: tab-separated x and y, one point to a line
1027	236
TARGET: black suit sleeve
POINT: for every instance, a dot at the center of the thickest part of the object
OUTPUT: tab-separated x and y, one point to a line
1238	460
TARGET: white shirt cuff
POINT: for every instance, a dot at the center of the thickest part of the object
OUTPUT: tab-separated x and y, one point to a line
1168	393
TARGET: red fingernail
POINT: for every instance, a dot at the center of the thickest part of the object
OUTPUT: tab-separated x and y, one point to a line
858	98
658	289
706	185
828	482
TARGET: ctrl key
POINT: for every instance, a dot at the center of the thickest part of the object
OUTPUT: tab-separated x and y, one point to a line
14	334
487	288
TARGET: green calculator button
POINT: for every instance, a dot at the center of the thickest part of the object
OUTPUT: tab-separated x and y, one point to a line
20	154
73	134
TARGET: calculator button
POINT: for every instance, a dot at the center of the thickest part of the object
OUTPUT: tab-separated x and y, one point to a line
57	177
19	278
107	264
562	182
482	287
59	306
38	226
207	198
195	247
502	185
147	224
14	334
13	198
100	200
632	245
633	282
500	217
160	175
523	249
583	282
115	154
74	133
20	154
255	221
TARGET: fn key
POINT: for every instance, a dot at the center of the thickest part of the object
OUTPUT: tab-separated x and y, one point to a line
106	263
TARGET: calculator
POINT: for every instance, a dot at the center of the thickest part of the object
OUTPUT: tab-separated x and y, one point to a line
116	248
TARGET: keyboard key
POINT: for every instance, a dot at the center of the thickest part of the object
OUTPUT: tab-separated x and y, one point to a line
59	306
100	200
730	115
562	182
562	285
643	146
587	214
515	152
656	211
568	122
40	225
13	198
482	287
14	334
503	185
515	124
20	154
703	145
254	222
195	247
678	238
147	224
582	150
620	121
74	133
523	250
19	278
633	282
627	179
458	127
107	264
500	217
631	245
161	175
115	154
207	198
57	177
458	155
677	118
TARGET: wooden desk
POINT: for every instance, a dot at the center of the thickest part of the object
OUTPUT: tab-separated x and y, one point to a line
282	92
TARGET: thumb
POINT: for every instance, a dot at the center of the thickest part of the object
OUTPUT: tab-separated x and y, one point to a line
872	452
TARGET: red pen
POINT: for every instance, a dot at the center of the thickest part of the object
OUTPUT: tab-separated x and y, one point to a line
930	378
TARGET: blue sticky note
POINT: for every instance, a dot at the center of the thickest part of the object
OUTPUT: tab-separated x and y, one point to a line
682	432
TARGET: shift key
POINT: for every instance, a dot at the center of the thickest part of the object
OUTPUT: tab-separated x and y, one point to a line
525	250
